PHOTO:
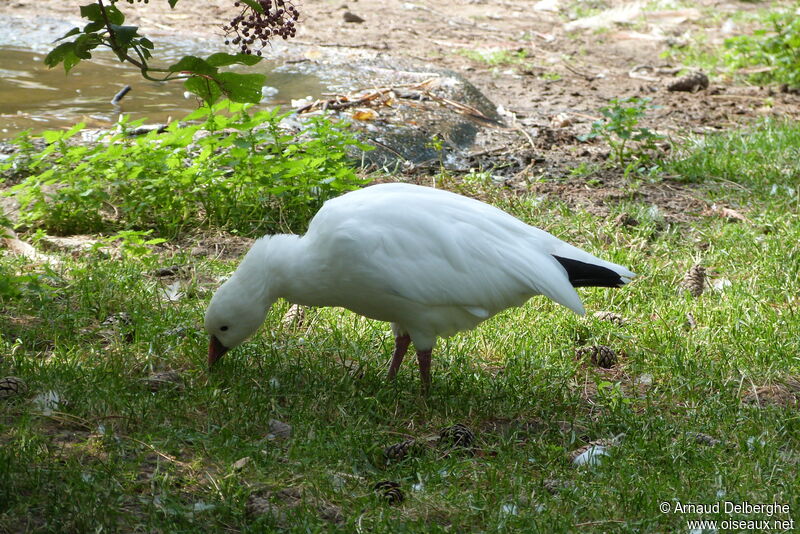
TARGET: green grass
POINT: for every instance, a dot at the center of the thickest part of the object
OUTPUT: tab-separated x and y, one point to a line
115	456
755	159
496	57
698	52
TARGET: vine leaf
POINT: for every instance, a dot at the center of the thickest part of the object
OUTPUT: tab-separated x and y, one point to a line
241	88
209	84
202	76
205	88
223	60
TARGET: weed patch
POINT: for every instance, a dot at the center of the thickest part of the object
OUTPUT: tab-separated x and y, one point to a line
776	47
234	170
765	158
631	144
768	54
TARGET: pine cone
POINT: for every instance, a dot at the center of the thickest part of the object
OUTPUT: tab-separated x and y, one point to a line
692	82
457	435
12	386
295	317
625	219
117	319
398	451
704	439
389	491
611	317
555	485
600	355
162	380
172	270
695	280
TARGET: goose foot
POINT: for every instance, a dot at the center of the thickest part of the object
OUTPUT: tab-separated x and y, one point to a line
424	360
401	343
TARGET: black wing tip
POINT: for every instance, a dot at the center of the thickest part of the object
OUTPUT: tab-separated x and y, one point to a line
582	274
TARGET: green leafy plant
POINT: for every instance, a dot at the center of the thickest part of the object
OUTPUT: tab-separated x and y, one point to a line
14	284
777	48
436	143
235	170
496	58
583	170
629	142
257	23
25	150
550	76
612	395
132	243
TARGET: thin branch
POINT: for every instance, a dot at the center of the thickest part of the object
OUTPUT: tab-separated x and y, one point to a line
159	453
112	38
140	63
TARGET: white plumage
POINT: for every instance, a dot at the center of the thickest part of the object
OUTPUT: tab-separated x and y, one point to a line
428	261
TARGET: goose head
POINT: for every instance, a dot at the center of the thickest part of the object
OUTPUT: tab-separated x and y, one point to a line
240	305
234	314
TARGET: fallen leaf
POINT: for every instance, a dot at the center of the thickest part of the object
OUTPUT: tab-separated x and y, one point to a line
726	213
621	14
562	120
591	456
352	17
719	284
201	506
171	292
509	509
365	115
241	463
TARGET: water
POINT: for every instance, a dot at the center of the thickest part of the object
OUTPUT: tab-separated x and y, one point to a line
37	98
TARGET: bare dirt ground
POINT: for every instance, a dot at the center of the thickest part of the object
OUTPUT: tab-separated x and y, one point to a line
553	76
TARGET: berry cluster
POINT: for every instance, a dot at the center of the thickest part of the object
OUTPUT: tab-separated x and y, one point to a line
252	27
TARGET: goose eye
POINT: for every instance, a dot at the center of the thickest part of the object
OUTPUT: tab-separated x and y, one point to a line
223	328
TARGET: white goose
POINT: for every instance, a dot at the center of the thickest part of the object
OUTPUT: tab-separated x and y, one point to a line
428	261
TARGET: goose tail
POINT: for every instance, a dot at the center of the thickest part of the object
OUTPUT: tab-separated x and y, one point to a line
594	272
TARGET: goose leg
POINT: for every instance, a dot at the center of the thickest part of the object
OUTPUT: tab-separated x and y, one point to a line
401	343
424	360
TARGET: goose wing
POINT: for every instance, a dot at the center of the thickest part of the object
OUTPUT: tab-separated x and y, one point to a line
438	249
